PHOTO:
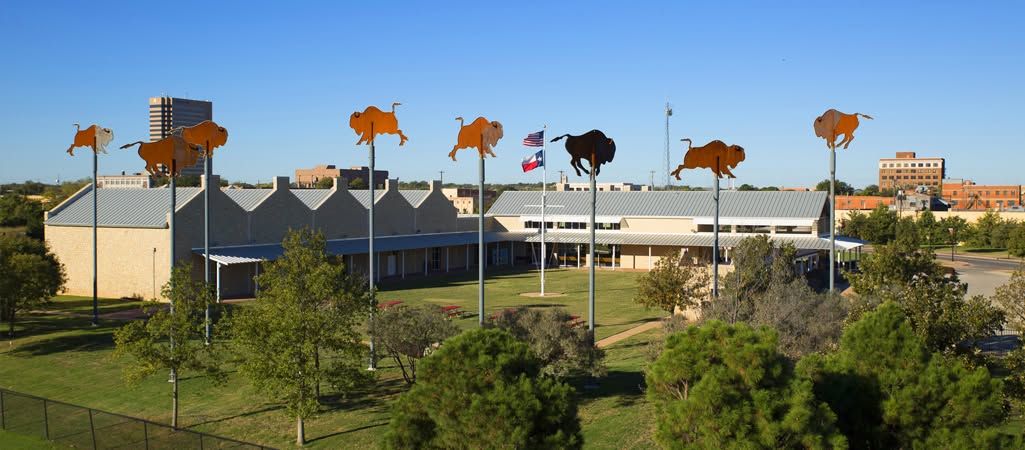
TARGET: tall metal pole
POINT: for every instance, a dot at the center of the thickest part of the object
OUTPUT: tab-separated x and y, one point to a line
480	240
665	167
590	269
206	232
170	230
370	255
96	305
544	198
832	217
715	233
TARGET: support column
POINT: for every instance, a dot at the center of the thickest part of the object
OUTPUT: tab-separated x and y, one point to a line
446	259
218	282
403	264
649	258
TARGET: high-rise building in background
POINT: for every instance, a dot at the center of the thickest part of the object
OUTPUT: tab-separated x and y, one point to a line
907	171
168	113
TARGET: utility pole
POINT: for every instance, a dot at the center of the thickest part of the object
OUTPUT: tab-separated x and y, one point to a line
665	167
441	177
651	179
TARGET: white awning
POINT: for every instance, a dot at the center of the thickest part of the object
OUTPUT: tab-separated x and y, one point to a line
565	218
756	221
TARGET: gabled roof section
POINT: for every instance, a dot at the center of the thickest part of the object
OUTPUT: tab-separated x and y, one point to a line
415	198
247	198
143	208
769	204
311	197
363	196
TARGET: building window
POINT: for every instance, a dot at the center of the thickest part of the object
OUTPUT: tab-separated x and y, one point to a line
436	258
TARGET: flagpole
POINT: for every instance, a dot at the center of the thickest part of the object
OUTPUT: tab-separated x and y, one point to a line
544	194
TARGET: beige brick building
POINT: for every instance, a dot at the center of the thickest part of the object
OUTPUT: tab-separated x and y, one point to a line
907	171
417	232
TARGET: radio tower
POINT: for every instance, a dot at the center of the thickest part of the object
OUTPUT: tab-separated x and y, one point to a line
665	167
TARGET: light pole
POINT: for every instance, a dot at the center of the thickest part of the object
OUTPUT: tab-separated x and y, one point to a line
953	242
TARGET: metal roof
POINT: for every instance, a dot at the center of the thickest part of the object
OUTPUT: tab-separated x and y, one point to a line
415	197
768	204
239	254
142	208
363	196
311	197
247	198
801	242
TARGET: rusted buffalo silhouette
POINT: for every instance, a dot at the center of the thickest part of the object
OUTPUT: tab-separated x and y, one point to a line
832	123
94	135
163	152
592	143
372	121
481	134
202	134
715	155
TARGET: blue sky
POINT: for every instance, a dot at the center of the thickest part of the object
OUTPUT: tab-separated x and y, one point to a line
941	78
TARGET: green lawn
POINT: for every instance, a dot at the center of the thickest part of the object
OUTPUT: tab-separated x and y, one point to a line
11	441
615	310
61	356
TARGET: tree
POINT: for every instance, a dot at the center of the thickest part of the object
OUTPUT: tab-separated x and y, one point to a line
562	348
325	183
890	268
54	195
726	386
671	285
807	321
889	391
18	211
987	231
30	275
171	339
1016	240
880	227
871	189
853	225
928	229
746	187
933	302
484	389
357	184
408	334
841	188
1010	298
758	262
303	328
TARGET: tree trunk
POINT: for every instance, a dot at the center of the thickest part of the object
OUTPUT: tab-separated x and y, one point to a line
10	325
300	432
316	364
174	399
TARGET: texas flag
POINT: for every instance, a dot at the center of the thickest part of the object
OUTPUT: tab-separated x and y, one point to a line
533	161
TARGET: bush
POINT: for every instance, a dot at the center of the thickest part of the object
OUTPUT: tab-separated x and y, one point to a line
484	389
670	286
726	386
408	334
889	391
563	349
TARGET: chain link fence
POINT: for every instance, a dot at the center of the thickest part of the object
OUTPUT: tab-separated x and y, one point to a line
81	427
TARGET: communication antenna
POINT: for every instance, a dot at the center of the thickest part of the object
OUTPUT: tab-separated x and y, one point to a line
651	179
665	167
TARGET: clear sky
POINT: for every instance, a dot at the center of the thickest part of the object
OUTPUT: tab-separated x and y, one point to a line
941	78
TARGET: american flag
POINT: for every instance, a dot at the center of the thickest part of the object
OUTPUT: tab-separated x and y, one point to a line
534	139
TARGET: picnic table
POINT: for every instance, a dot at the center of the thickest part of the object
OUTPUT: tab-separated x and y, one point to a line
452	310
575	321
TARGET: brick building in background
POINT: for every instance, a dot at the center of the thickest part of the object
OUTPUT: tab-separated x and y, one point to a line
465	199
907	171
965	195
308	178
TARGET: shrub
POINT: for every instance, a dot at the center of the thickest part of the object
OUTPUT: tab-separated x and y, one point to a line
484	389
563	349
407	334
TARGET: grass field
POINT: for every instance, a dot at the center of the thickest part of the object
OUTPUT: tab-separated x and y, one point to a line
615	310
61	356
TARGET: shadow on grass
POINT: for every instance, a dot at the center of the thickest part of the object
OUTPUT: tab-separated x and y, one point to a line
265	409
91	340
377	396
364	427
628	386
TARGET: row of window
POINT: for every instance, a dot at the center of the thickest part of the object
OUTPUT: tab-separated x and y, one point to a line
904	164
532	224
910	177
997	192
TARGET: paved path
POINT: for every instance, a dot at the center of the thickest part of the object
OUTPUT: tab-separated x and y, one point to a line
629	333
